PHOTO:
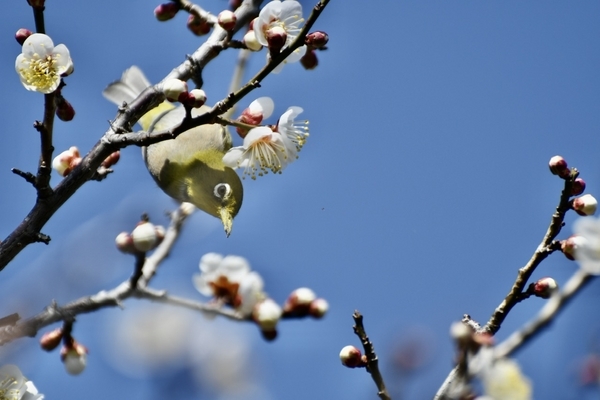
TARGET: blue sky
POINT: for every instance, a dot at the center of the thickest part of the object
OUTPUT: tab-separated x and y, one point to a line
422	189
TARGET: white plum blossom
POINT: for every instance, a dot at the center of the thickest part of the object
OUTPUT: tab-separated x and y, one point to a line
14	386
279	14
294	134
263	106
262	150
502	378
41	64
588	253
230	280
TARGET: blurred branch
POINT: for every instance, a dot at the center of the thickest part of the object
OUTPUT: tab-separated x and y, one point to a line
544	249
372	360
133	287
550	311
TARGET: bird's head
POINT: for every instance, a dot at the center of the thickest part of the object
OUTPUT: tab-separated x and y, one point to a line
219	193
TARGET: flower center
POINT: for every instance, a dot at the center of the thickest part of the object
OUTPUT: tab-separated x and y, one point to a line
41	72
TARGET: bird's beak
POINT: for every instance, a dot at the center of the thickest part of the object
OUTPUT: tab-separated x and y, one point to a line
226	219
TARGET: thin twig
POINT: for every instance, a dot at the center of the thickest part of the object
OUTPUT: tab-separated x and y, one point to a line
551	309
372	360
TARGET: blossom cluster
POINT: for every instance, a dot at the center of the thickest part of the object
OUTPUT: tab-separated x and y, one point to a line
268	148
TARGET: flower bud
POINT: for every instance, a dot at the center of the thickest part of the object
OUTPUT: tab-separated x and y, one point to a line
266	314
317	39
544	287
318	308
50	340
174	88
251	41
144	236
585	205
198	26
22	35
571	244
578	187
187	208
66	161
299	301
124	243
112	159
64	109
309	60
558	166
74	356
351	357
460	332
197	98
166	11
276	38
227	20
36	3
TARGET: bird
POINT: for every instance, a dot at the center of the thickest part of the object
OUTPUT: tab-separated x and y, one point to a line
190	167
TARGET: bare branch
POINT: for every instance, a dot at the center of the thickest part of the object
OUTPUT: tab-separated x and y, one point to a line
372	360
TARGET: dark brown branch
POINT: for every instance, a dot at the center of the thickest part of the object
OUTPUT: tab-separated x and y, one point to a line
544	249
46	206
372	360
546	315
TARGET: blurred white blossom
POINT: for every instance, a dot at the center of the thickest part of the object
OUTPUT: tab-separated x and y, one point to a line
230	280
14	386
588	252
41	64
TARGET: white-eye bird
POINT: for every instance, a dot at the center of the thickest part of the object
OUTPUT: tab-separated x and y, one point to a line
190	167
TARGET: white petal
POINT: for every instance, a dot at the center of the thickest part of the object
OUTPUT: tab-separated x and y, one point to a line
202	284
38	45
234	265
62	57
256	134
233	157
291	8
210	262
289	115
264	105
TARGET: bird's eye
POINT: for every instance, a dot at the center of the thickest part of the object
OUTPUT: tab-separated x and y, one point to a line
222	190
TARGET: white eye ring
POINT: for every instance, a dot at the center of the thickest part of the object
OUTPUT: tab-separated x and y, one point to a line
222	191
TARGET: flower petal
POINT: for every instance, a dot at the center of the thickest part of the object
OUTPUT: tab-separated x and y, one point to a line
264	105
233	157
38	45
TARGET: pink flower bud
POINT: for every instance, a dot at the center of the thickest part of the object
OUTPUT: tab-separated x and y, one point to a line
22	35
299	301
227	20
173	88
66	161
166	11
145	237
50	340
585	205
309	60
124	243
571	244
196	98
267	314
198	26
558	166
36	3
318	308
351	357
317	39
64	109
276	38
74	356
112	159
251	41
578	187
544	287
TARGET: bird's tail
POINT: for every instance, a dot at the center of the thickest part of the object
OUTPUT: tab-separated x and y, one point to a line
132	83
